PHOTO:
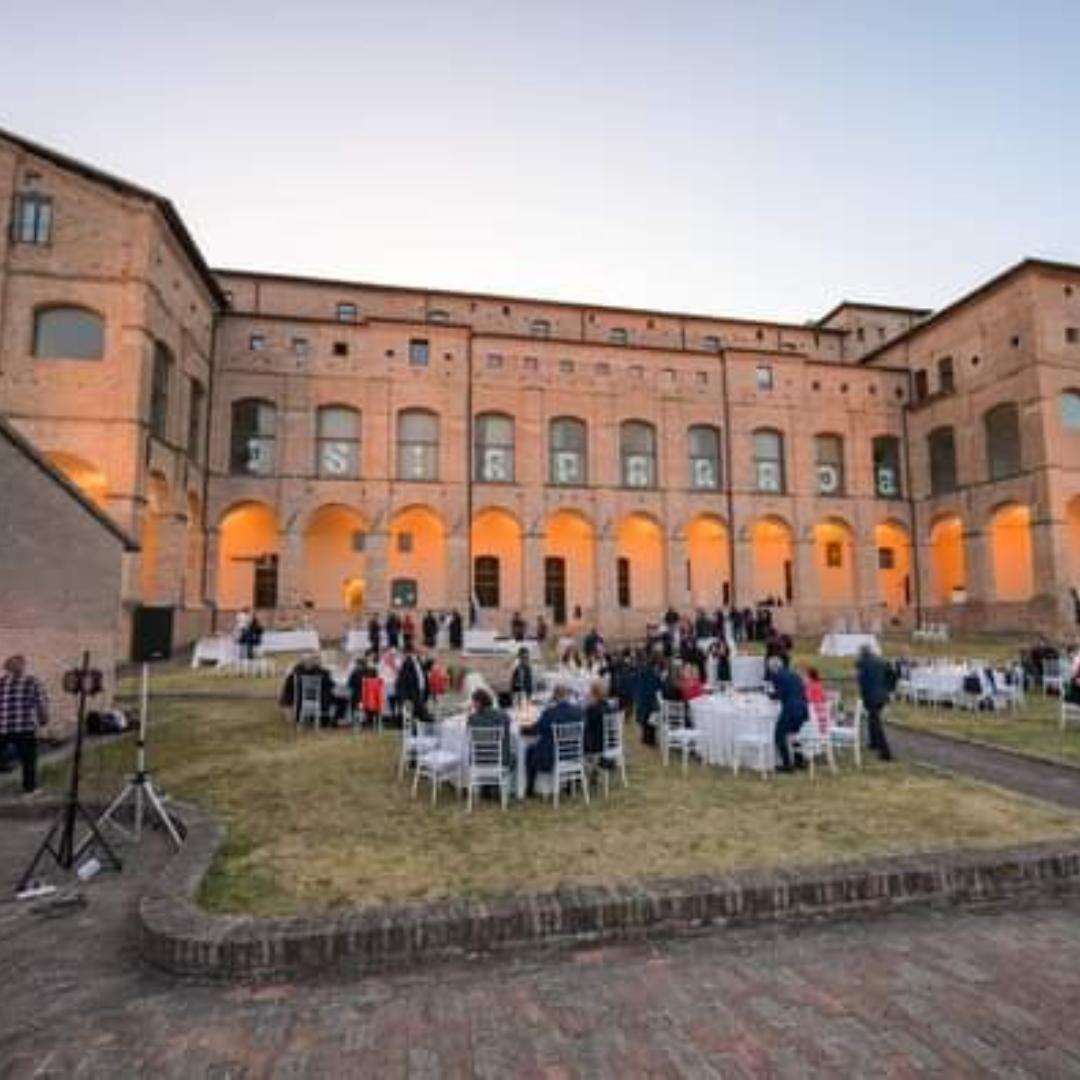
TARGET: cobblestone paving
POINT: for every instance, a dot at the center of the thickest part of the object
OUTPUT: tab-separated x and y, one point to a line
941	994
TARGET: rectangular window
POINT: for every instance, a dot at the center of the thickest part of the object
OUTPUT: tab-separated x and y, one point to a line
486	580
886	454
196	399
266	582
623	572
161	376
886	558
603	369
494	361
942	454
257	343
946	376
300	346
32	223
404	543
531	363
566	367
1072	334
419	352
346	312
922	385
764	377
702	378
341	348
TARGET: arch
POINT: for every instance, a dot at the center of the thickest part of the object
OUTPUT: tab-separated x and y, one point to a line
834	561
194	548
948	564
334	569
418	553
68	332
772	550
153	538
569	564
497	534
643	567
1072	517
708	550
894	566
88	478
248	550
1012	553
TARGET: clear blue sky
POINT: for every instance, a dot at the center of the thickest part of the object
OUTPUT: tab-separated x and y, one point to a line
755	158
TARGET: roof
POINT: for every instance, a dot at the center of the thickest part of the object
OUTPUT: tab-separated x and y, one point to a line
866	306
26	448
126	187
976	294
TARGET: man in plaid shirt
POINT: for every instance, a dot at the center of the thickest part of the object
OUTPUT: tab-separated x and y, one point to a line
23	709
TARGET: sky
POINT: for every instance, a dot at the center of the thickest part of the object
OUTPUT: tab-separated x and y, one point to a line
763	159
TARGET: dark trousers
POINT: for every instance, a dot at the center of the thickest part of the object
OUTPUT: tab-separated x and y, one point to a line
532	767
25	744
785	728
876	732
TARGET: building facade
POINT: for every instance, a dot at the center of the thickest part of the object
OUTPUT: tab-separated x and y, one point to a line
320	449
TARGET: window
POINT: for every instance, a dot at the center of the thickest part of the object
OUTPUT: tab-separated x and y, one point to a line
418	352
540	328
637	372
941	445
637	449
860	334
1014	341
566	367
265	592
669	375
494	360
704	457
347	312
764	377
946	377
437	315
569	452
337	442
603	368
68	333
404	543
532	363
829	464
300	346
1070	410
403	593
886	558
886	453
257	343
769	461
32	223
922	385
254	427
341	348
618	335
622	569
160	378
1072	334
1002	425
711	343
196	404
418	445
493	457
702	378
486	580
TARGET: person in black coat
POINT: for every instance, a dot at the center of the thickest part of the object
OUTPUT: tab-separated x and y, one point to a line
788	689
595	711
430	629
521	678
393	630
874	691
540	757
456	631
648	684
517	627
412	684
374	635
309	667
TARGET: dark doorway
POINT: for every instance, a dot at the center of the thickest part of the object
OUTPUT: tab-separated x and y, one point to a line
555	588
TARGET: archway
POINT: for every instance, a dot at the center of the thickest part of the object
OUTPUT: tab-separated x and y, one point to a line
194	544
334	566
834	562
641	567
894	566
1013	556
569	564
248	550
772	548
710	564
1072	515
417	559
154	539
948	565
89	479
497	559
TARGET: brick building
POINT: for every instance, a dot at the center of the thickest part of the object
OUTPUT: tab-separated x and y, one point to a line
319	448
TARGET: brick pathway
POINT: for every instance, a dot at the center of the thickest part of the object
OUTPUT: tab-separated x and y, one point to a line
946	994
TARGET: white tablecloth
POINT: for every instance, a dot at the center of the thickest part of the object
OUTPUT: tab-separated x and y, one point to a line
848	644
747	672
489	643
356	641
289	641
453	736
721	717
215	650
578	681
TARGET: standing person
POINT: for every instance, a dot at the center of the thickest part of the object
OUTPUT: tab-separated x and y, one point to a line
430	627
649	683
457	630
517	627
788	689
874	691
374	634
521	678
408	628
24	707
393	630
541	632
412	684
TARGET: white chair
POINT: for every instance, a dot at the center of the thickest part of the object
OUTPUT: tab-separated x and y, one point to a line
310	691
613	756
1053	677
486	767
813	738
417	738
1070	714
569	766
439	766
756	739
847	735
675	731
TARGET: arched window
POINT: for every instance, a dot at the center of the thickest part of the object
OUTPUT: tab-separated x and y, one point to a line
829	464
160	382
769	461
68	333
569	463
886	452
540	328
1070	410
941	448
493	457
254	429
418	445
1002	426
704	449
637	449
486	580
337	442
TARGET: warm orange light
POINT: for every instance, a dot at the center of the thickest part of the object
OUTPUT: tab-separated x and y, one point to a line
947	561
1014	564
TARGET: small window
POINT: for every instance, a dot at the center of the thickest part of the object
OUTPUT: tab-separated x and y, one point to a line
669	374
160	380
603	368
711	343
419	352
637	372
32	223
619	335
486	580
922	385
257	343
1072	334
702	378
404	543
622	570
1070	410
540	328
531	363
346	312
1014	341
764	377
403	593
566	367
860	334
886	558
494	360
358	541
341	348
946	377
196	404
67	333
438	316
300	346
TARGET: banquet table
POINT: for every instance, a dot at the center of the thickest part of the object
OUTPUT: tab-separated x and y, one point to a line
722	717
356	641
489	643
578	681
220	650
288	641
747	672
837	644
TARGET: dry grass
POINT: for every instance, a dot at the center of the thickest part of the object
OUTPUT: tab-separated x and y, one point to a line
319	822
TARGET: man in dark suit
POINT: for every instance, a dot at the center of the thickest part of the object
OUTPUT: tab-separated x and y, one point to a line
788	689
540	757
874	691
412	683
309	668
521	678
486	716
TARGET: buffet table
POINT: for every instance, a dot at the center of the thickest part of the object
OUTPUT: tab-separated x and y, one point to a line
848	644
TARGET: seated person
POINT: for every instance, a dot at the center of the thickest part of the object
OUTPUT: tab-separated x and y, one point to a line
540	757
691	685
485	716
596	708
815	695
309	667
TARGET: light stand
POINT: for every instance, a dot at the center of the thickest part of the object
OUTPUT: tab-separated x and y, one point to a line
140	788
84	682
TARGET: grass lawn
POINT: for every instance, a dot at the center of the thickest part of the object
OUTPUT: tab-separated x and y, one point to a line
319	821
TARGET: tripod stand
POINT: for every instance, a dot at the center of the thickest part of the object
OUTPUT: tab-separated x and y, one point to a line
140	788
66	852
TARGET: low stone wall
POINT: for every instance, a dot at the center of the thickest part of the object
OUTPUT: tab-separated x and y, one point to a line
179	937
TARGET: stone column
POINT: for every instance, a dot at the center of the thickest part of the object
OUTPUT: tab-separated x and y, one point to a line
290	570
744	590
807	602
459	576
678	594
532	571
376	571
607	588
